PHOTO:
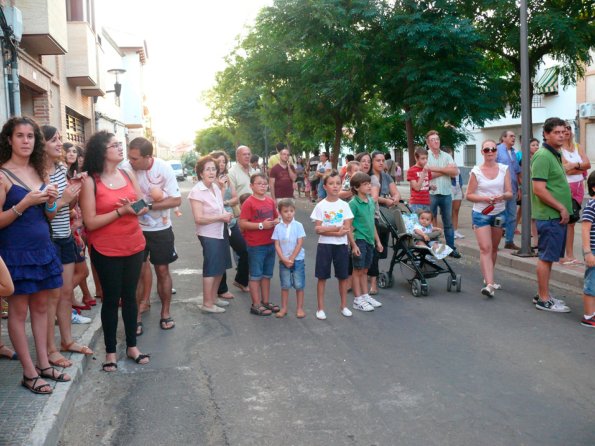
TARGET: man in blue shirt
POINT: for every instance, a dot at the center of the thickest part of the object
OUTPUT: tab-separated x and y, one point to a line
507	155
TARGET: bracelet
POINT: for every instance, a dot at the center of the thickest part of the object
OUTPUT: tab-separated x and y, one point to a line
15	210
51	208
118	212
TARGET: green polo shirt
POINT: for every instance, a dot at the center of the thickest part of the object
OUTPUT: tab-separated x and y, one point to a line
546	165
363	218
442	183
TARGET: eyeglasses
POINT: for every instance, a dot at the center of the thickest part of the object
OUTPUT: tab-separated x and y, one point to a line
116	144
489	149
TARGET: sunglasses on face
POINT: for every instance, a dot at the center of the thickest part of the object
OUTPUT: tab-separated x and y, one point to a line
489	149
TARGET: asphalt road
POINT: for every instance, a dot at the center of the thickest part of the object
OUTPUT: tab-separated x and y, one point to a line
447	369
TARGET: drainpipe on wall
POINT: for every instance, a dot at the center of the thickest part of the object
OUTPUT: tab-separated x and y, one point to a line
11	72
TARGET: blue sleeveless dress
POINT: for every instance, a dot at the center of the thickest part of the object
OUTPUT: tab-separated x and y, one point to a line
27	249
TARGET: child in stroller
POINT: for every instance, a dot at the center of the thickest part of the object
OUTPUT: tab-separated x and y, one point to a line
426	235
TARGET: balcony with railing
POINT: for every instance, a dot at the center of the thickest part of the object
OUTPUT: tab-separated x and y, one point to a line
81	59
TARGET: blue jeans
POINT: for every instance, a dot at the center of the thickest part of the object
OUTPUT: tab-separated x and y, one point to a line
293	277
444	202
510	225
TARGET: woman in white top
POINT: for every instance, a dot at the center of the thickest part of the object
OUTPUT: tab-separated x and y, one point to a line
575	163
488	189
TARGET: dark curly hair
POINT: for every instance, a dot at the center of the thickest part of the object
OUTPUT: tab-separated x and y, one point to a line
38	157
95	152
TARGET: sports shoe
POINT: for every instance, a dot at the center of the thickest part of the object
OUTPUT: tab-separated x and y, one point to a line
455	254
588	321
371	301
550	305
496	286
213	309
555	299
488	290
346	312
360	303
78	319
320	314
459	235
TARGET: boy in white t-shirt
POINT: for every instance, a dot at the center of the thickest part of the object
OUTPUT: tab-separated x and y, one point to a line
332	217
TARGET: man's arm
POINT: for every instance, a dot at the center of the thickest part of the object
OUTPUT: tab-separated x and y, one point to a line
450	170
540	190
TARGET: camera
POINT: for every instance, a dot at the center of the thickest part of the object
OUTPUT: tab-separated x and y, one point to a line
498	222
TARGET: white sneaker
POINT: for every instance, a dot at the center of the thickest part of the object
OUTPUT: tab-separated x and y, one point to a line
78	319
360	303
222	302
320	314
372	301
488	290
459	235
551	305
346	312
495	286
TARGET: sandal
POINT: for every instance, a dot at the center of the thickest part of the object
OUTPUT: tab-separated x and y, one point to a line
107	365
83	348
139	358
5	352
260	310
227	295
33	387
243	288
271	306
163	323
84	307
139	329
90	302
60	378
61	362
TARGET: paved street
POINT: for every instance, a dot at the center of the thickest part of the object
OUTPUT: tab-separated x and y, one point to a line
448	369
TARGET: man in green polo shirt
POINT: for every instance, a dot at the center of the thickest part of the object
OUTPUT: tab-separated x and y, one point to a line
551	207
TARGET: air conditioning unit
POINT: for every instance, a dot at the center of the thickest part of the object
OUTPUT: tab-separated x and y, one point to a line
587	110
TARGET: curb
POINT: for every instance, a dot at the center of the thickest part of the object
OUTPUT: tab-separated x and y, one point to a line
48	424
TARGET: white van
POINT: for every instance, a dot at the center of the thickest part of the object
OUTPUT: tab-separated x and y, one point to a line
176	165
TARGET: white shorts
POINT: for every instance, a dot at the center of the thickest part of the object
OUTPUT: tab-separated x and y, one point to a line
457	193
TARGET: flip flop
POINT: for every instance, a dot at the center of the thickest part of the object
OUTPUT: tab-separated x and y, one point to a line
68	348
163	323
107	365
139	358
227	296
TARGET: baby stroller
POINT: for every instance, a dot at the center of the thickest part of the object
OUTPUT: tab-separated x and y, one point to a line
417	262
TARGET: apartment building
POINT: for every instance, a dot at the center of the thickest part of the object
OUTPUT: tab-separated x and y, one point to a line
71	72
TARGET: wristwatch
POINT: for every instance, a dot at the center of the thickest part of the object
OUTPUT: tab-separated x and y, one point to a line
150	206
260	226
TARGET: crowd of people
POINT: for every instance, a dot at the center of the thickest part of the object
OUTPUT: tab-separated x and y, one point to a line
68	202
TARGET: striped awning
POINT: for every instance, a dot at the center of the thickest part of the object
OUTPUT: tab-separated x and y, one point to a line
548	82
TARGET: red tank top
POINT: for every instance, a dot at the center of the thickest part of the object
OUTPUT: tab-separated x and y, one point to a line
122	237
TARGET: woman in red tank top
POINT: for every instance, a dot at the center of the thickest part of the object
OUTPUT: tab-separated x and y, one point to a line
115	238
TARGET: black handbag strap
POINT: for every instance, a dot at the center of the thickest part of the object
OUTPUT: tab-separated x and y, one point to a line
12	177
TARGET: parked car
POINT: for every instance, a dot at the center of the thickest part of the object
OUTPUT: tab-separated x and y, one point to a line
178	169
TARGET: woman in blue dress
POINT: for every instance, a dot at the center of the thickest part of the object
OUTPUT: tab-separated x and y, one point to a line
27	204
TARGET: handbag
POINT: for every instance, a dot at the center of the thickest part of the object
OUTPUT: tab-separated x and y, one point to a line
576	212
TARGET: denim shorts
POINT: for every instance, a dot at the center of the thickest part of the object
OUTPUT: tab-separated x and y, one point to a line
479	220
338	255
294	277
551	239
262	261
66	249
589	284
364	261
419	207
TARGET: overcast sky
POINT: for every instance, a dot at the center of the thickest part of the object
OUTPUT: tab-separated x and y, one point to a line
187	42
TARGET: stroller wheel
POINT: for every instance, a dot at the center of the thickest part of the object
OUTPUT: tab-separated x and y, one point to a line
385	281
449	283
416	287
459	283
425	289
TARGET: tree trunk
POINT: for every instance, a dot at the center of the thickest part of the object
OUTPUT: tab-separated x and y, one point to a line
410	138
337	143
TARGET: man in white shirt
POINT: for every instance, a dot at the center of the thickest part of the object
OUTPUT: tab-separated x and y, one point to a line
159	187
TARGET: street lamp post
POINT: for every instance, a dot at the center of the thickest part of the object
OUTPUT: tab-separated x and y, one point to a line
525	250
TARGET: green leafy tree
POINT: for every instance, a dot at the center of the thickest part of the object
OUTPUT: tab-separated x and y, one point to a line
213	138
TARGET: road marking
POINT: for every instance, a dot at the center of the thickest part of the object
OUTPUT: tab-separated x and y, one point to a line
186	271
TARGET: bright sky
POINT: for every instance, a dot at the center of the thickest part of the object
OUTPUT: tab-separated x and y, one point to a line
187	42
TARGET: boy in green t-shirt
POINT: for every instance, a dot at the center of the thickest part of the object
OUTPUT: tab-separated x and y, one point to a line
363	239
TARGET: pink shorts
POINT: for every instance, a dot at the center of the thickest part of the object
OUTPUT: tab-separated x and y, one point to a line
577	190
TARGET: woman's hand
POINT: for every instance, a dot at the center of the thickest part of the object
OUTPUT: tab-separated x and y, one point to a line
52	192
35	197
71	192
226	217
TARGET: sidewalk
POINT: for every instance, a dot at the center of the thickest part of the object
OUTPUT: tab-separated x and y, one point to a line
32	420
567	277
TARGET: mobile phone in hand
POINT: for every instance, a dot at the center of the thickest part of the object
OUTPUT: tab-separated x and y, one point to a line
138	206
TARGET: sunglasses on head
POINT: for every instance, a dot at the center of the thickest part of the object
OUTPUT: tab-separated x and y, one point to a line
489	149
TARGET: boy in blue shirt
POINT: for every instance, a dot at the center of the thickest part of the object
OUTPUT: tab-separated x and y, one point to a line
289	237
